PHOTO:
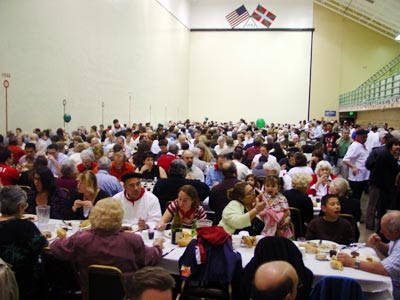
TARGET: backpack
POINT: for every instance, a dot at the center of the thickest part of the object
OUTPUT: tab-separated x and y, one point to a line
8	283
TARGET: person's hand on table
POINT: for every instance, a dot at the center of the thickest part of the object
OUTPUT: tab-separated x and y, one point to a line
142	224
346	259
159	242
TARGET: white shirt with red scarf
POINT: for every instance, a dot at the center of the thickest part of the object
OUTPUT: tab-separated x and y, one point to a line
146	207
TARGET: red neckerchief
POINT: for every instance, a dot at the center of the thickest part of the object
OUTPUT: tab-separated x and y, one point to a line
358	141
188	214
216	167
142	190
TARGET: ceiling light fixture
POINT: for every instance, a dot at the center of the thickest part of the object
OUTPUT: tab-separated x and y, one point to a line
397	37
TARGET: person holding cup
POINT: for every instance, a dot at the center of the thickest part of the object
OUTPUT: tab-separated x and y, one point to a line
20	241
45	192
107	244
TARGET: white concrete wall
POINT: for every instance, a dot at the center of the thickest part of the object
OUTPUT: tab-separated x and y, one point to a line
87	52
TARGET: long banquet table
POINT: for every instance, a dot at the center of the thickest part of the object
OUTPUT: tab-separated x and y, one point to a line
374	286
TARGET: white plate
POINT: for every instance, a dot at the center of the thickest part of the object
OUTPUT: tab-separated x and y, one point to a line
134	227
325	245
29	217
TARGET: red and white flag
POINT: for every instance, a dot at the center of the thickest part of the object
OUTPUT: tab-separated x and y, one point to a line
262	15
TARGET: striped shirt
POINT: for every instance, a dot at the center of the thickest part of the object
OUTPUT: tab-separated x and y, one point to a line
187	221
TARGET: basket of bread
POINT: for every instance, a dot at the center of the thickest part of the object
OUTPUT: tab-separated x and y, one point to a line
185	240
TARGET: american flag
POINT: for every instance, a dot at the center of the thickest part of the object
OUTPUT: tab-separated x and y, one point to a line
237	16
262	15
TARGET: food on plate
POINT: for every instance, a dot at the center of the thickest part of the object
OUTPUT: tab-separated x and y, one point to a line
84	223
320	256
317	247
46	234
336	264
183	242
61	233
309	248
249	241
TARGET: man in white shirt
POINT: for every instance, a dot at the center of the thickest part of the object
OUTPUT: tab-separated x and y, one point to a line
140	206
355	159
242	169
263	152
55	159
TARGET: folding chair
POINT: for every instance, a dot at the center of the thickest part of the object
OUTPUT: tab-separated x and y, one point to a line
105	282
295	215
61	277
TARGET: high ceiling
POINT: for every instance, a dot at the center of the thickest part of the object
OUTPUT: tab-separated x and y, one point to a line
382	16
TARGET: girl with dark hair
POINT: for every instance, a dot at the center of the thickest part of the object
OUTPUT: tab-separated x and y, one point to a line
187	206
45	192
149	170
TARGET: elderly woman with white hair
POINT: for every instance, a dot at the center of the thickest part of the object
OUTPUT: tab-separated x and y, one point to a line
107	244
348	205
321	179
88	162
298	198
68	179
273	168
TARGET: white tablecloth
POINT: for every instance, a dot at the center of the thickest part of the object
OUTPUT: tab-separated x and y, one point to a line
375	286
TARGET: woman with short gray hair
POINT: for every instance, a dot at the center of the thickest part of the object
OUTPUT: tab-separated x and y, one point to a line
20	241
68	179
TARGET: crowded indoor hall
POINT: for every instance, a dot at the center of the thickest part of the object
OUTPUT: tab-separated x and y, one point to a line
143	174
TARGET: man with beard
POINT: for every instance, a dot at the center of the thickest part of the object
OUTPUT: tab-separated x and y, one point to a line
193	172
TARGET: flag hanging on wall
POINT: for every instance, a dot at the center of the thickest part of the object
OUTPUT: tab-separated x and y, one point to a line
262	15
237	16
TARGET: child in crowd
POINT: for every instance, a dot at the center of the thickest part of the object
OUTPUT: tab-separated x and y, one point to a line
252	180
276	214
331	227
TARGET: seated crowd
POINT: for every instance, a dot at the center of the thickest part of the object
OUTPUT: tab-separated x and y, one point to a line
243	177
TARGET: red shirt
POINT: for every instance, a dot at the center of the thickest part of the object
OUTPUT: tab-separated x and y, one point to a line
81	168
119	172
17	153
165	160
8	175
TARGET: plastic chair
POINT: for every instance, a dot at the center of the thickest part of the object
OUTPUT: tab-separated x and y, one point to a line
295	215
61	277
105	282
333	287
